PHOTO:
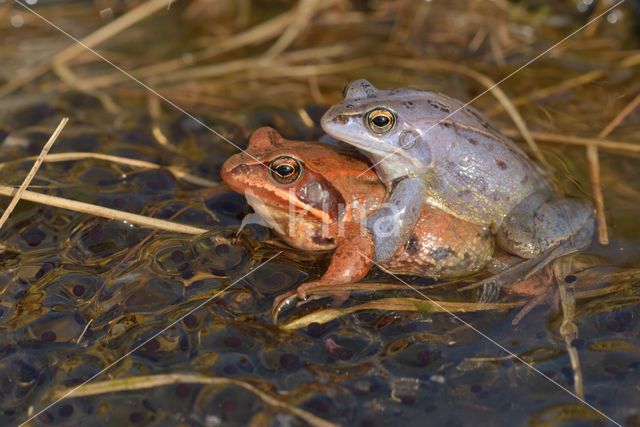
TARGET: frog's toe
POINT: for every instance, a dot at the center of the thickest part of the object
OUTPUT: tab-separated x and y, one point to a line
490	292
281	303
530	305
509	276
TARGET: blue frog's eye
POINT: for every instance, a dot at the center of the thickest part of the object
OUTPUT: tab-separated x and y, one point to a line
380	120
285	170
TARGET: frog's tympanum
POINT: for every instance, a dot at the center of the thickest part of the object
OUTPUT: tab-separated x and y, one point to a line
430	148
317	197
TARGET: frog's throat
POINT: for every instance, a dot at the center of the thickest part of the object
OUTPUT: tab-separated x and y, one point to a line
270	212
263	212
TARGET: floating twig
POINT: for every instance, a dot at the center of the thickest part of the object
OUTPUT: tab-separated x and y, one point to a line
399	304
84	331
145	382
32	173
176	171
100	211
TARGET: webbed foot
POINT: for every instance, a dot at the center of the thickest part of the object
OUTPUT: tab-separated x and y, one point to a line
527	268
303	294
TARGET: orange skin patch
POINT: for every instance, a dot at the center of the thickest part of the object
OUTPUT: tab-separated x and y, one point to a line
324	207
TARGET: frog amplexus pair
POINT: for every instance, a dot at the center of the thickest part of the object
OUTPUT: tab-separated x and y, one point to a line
447	189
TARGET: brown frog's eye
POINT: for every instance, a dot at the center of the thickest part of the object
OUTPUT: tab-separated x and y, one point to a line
381	120
285	170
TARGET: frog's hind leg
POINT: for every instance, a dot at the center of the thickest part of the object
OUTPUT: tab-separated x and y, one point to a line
542	223
527	268
392	224
553	219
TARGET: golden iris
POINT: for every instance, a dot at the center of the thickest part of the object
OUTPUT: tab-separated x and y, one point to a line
381	120
285	169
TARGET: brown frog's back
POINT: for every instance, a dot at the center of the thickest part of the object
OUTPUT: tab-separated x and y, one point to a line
442	246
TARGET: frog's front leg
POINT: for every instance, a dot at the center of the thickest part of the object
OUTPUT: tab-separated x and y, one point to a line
392	224
351	261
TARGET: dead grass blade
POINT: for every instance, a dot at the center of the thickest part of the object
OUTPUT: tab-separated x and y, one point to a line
594	168
254	35
32	173
628	109
104	33
398	304
65	74
87	208
144	382
546	92
256	65
578	140
176	171
598	198
155	112
304	13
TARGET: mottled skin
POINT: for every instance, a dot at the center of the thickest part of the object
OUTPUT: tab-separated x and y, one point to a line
322	208
431	144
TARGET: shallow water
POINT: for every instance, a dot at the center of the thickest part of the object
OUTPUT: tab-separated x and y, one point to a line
77	292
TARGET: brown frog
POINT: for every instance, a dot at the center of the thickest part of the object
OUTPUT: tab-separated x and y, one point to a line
317	198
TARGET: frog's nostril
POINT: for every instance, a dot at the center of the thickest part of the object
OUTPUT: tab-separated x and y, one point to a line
241	169
229	169
341	119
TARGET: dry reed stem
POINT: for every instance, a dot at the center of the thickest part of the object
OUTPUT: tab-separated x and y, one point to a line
144	382
309	70
234	66
155	111
65	74
32	173
600	7
594	168
303	15
256	34
598	198
485	81
548	91
577	140
103	33
628	109
568	84
95	210
176	171
568	328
